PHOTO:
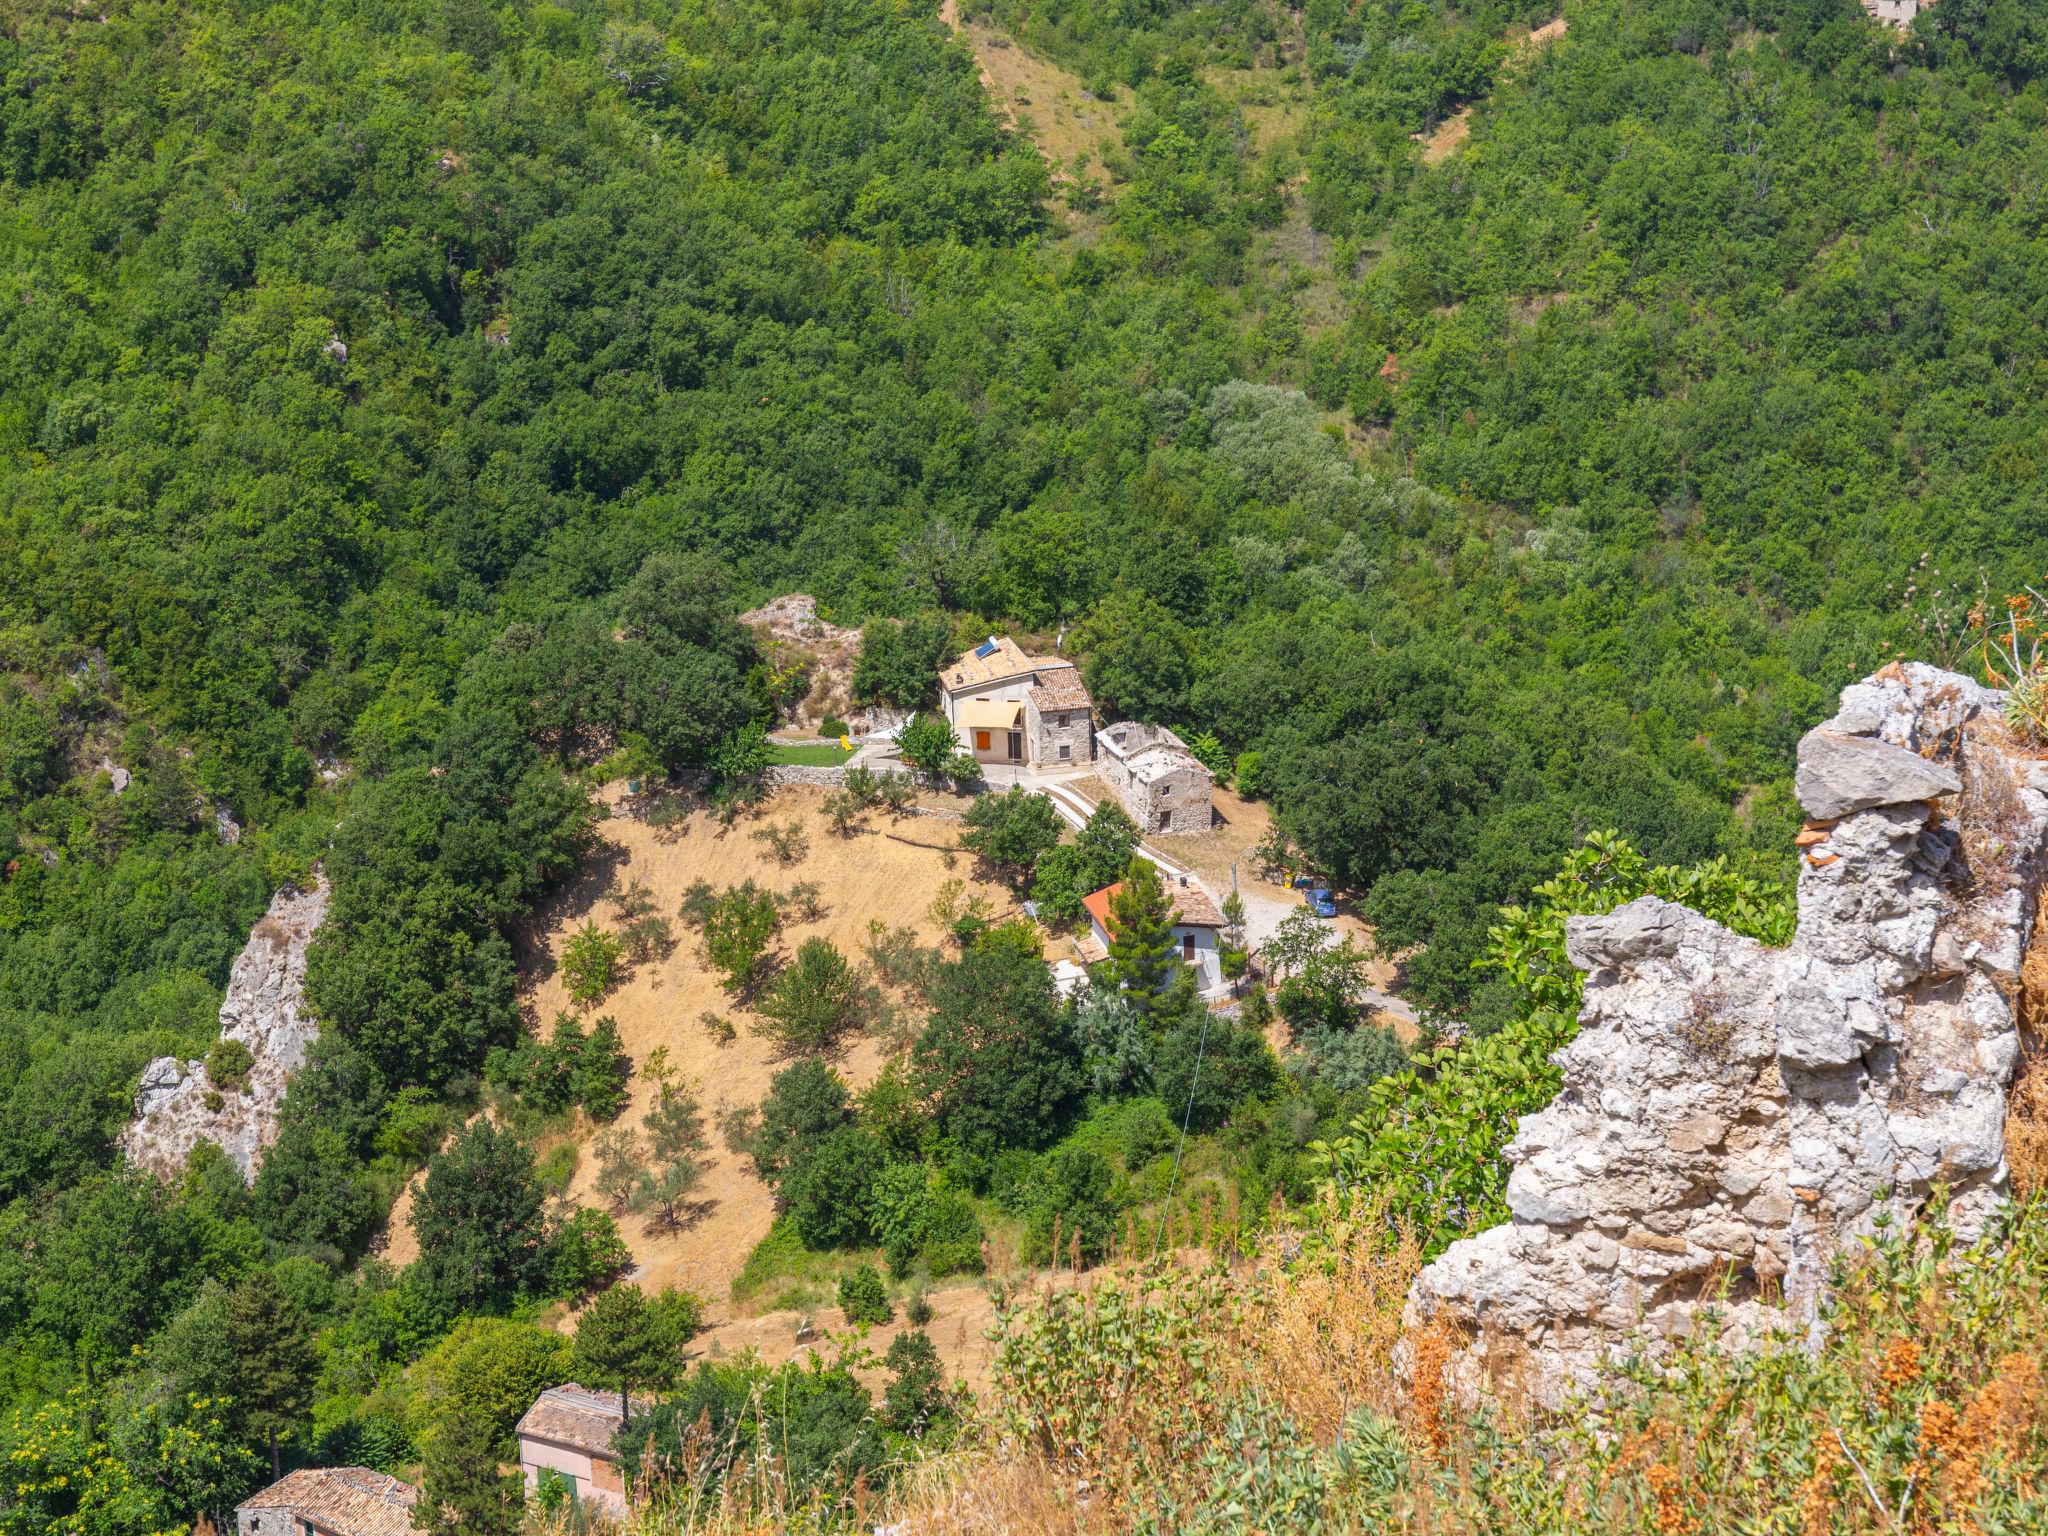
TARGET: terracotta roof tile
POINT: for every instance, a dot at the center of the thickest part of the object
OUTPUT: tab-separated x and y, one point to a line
1060	687
1191	904
574	1416
973	670
350	1501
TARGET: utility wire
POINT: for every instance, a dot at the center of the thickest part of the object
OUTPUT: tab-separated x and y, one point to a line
1187	1115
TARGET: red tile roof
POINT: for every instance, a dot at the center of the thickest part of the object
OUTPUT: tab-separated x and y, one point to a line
574	1416
1192	906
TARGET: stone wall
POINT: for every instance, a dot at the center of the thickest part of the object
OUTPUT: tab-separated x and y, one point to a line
1152	772
1047	730
776	774
1181	795
1739	1112
264	1011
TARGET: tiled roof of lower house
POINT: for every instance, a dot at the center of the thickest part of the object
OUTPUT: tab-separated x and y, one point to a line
1191	904
574	1416
350	1501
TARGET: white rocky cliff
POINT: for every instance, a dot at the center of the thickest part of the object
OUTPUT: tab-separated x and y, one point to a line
178	1105
1735	1111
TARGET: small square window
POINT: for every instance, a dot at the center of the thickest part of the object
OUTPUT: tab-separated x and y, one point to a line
1066	750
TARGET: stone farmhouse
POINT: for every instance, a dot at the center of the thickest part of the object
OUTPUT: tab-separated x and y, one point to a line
1197	932
1006	707
568	1431
1161	783
1896	13
329	1501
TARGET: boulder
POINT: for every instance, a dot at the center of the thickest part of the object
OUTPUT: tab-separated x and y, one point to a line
1841	774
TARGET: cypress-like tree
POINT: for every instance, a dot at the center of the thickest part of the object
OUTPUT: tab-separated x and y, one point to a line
618	1343
271	1364
464	1488
1141	934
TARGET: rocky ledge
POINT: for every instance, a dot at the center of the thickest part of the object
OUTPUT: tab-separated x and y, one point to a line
178	1105
1732	1114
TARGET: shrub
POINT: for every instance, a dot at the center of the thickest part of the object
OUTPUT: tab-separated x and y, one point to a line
821	997
786	841
228	1063
825	1188
1235	1065
831	728
928	744
805	1101
1250	774
602	1069
587	1254
590	963
862	1296
739	931
916	1401
917	1307
1071	1207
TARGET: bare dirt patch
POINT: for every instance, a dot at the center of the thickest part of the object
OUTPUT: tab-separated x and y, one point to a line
1450	135
888	873
959	1326
1447	138
1036	96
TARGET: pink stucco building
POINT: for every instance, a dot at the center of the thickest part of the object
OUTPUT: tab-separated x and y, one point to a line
569	1431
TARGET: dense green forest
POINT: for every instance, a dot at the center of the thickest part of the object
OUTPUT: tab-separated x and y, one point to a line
399	399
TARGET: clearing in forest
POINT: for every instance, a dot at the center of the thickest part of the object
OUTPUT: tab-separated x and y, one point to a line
1449	136
1068	123
888	873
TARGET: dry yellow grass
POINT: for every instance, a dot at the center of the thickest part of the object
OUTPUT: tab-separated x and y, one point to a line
888	873
1449	136
1031	92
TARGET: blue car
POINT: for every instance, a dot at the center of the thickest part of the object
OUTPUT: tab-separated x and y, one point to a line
1320	900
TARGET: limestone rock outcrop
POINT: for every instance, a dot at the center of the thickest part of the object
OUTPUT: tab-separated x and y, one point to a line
178	1105
1731	1114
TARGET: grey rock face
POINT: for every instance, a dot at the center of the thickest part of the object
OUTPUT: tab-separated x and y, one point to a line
263	1010
1733	1110
1840	774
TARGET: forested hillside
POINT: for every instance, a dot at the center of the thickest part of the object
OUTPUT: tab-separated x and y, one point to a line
399	400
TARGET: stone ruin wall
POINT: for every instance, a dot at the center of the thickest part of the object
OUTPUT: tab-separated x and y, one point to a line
265	1010
1731	1113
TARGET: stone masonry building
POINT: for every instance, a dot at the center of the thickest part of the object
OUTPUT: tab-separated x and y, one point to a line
1010	708
1160	782
329	1501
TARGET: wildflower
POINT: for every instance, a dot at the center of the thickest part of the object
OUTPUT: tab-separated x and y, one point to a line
1817	1499
1898	1370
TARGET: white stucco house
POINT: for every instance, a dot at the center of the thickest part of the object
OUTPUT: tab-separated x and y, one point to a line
1007	707
1197	932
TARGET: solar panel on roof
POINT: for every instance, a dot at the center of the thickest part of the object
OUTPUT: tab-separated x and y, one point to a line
986	648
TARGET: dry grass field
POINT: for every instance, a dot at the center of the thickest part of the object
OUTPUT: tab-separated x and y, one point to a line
888	873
